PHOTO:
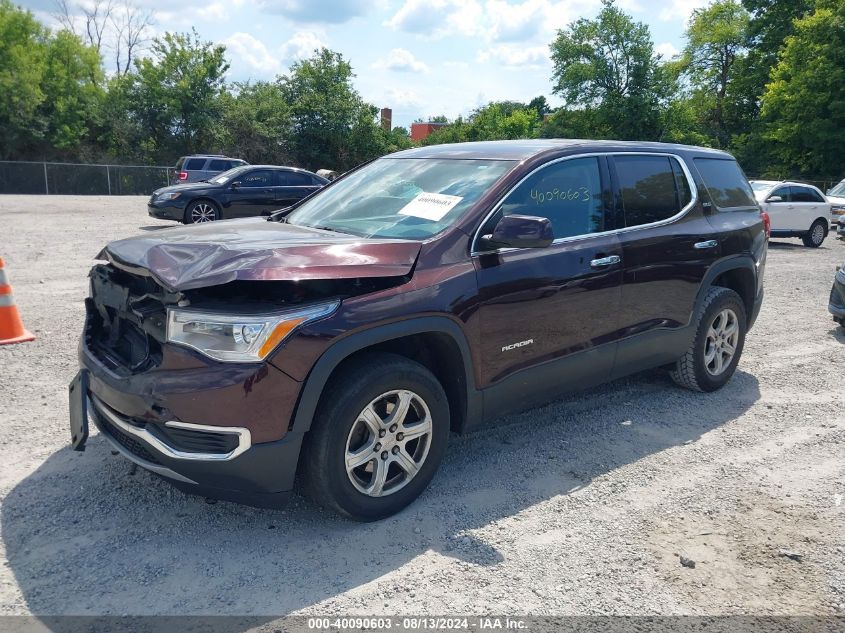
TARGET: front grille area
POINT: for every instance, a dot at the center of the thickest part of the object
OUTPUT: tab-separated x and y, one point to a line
125	320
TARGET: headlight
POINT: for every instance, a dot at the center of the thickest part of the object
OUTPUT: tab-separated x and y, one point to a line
238	338
168	196
837	209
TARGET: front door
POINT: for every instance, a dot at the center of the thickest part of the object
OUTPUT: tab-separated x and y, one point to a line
548	316
781	210
255	193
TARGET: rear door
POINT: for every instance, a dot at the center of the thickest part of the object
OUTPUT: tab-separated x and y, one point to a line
254	194
548	316
293	187
667	247
809	206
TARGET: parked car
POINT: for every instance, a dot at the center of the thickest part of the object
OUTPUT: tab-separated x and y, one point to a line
796	210
198	167
836	197
237	193
836	303
427	291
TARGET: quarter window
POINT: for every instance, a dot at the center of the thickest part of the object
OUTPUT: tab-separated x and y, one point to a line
568	193
726	184
294	179
654	188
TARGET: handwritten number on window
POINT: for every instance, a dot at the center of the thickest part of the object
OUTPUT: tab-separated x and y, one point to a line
579	194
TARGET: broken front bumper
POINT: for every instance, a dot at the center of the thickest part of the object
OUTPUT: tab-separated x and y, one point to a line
214	429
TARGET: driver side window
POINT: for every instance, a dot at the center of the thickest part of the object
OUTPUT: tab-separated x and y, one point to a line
568	193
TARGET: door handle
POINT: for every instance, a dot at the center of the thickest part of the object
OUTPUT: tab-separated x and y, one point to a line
707	244
605	261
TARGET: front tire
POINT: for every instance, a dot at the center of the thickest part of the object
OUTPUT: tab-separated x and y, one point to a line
815	236
719	338
379	435
201	211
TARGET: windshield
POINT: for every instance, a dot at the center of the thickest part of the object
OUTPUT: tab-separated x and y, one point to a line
761	186
410	198
226	176
838	190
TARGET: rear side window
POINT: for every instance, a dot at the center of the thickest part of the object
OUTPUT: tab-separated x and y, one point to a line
726	183
194	164
294	179
805	194
219	165
653	188
568	193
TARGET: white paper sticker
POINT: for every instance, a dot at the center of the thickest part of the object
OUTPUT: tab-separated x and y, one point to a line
430	206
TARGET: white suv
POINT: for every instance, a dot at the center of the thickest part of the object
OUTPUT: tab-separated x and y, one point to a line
836	197
796	209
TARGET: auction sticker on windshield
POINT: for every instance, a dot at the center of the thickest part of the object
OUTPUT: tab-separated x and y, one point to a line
430	206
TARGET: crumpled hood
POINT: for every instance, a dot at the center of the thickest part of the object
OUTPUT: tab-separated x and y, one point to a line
254	249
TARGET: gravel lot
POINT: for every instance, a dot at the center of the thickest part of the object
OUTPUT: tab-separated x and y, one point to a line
584	506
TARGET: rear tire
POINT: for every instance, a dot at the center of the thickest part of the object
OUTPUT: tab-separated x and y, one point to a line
201	211
719	338
391	470
815	236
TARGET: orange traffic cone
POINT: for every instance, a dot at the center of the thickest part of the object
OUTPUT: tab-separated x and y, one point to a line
11	326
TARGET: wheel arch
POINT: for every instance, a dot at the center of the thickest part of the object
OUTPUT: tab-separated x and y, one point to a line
438	343
736	273
190	202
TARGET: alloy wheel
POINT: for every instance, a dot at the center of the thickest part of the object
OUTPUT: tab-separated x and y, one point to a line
817	235
202	212
388	443
720	344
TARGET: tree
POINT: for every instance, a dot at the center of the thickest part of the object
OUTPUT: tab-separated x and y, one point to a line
609	65
131	26
716	38
22	65
325	108
804	104
116	25
255	123
50	87
495	121
174	95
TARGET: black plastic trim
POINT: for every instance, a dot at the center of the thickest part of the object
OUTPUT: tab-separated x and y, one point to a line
318	377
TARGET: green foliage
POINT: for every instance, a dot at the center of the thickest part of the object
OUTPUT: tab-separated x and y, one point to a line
608	65
716	38
763	79
174	95
495	121
254	123
804	104
50	86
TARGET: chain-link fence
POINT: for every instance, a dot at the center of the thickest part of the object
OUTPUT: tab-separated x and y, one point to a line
80	179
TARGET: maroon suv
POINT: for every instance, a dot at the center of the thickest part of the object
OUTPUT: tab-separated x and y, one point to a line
342	339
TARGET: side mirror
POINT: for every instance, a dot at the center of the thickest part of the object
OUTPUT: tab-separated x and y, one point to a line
235	184
521	231
774	199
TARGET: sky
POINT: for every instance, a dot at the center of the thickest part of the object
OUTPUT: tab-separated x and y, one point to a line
419	57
